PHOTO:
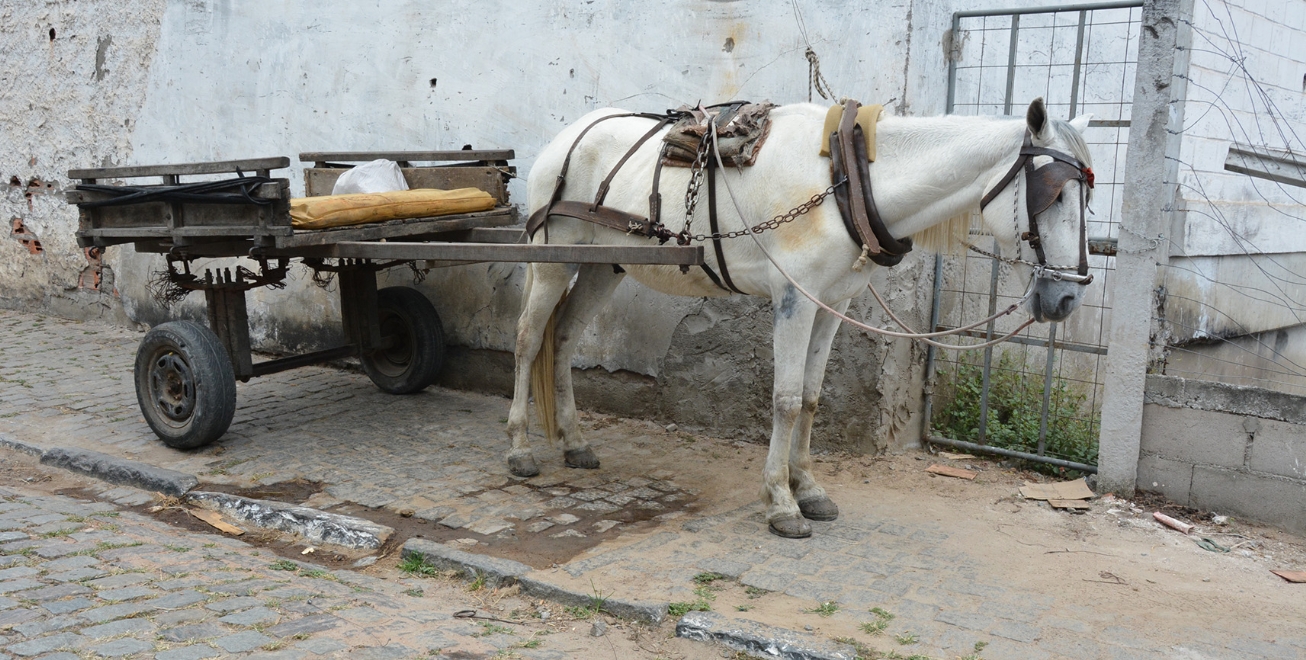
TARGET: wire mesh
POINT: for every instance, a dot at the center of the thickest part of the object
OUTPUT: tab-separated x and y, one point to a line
1041	393
1232	307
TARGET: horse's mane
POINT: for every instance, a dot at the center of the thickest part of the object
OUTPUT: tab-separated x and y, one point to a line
949	237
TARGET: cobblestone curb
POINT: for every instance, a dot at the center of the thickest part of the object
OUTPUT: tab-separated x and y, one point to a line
497	572
120	470
8	442
651	611
758	639
312	524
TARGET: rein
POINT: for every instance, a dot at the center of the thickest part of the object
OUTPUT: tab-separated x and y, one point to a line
924	337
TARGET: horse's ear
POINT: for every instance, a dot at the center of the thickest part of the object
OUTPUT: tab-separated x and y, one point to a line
1081	122
1037	118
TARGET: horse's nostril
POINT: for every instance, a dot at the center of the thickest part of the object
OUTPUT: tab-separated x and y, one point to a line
1067	301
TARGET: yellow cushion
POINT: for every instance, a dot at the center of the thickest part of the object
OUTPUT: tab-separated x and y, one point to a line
361	208
867	117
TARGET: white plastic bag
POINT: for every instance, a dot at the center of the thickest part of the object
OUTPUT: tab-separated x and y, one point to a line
377	176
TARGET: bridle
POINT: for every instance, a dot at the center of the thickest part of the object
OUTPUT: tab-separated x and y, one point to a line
1042	187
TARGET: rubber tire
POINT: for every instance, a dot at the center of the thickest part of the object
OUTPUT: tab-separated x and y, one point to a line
415	363
191	353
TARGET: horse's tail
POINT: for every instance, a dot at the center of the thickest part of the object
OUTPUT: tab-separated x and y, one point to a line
542	373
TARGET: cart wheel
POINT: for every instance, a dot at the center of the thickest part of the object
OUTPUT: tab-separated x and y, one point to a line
184	384
414	359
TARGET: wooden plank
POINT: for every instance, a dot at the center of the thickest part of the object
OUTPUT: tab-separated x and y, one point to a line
400	228
272	190
238	248
321	180
497	235
423	156
566	254
949	471
1265	163
146	233
1291	576
181	169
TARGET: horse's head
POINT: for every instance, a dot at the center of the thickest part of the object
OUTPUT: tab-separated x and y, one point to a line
1040	202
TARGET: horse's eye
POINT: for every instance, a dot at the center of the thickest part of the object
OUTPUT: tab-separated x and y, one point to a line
1059	196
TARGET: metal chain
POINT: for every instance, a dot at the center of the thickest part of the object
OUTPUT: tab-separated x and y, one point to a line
773	223
696	180
1053	272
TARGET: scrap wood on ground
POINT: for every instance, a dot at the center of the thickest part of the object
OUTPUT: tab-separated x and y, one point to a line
949	471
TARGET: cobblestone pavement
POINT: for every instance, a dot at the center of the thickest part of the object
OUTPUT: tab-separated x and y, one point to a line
86	579
956	564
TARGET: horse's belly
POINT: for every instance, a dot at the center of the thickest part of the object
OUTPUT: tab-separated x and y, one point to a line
669	280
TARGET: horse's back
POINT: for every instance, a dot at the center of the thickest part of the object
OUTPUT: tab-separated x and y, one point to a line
544	172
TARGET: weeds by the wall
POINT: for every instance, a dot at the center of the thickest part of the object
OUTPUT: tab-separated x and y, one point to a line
1015	406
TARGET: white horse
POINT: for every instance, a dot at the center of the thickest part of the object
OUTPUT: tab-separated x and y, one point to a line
929	176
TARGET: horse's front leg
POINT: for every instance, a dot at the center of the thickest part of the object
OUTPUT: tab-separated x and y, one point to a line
545	286
812	500
594	286
794	317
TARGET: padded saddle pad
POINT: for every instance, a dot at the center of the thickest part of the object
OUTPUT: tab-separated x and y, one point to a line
741	130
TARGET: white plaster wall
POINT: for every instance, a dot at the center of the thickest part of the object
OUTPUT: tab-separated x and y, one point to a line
73	76
294	77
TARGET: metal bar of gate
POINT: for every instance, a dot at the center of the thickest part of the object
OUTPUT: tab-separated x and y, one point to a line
1079	63
1051	343
989	449
1047	389
1049	9
1011	63
988	352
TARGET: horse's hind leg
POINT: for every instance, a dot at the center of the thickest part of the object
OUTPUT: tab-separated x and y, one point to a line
794	316
594	286
545	285
812	500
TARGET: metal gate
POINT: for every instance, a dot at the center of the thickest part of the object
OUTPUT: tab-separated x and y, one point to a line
1038	397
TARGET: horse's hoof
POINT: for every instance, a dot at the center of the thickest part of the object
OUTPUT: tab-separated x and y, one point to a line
791	528
819	508
523	466
582	458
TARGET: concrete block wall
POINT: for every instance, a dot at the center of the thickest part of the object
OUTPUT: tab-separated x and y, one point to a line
1232	450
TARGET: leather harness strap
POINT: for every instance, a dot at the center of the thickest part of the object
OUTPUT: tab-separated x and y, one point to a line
1043	186
607	182
716	241
540	217
856	202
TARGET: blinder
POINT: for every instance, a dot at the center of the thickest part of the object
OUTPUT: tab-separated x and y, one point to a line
1043	186
1047	184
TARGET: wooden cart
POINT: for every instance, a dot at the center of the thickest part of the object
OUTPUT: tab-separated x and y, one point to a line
186	373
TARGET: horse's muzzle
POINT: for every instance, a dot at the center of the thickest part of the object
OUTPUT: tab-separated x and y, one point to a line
1054	300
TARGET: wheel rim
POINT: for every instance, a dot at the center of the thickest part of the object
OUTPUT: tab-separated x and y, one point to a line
172	386
395	359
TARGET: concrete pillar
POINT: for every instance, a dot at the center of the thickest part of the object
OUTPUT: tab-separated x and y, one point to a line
1148	203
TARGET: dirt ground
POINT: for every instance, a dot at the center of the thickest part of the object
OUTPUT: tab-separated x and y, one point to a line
1111	564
